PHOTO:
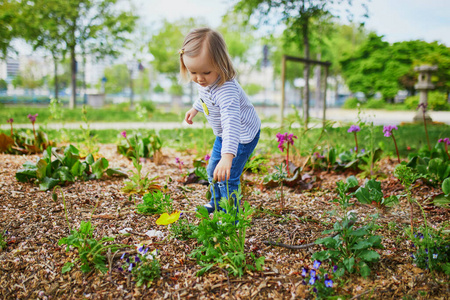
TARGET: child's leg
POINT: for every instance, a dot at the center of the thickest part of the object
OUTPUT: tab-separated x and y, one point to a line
237	166
212	163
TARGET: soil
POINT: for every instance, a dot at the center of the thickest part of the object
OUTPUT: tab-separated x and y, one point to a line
32	261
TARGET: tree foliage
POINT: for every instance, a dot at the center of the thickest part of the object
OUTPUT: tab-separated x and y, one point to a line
378	66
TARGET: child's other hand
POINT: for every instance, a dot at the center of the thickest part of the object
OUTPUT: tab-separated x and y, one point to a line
223	168
190	114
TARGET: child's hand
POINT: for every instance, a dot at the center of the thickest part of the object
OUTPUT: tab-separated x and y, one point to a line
223	168
190	114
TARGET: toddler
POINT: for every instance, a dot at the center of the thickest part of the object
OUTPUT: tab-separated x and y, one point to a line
204	59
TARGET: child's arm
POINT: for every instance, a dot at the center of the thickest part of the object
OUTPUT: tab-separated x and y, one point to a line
223	168
190	114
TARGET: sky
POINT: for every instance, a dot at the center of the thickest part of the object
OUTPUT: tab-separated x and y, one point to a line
396	20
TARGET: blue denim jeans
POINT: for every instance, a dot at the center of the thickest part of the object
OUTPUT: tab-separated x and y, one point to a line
237	166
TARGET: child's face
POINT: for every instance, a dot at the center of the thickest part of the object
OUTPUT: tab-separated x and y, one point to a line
200	69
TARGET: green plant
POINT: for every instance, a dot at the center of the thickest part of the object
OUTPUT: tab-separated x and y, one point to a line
144	267
351	103
183	229
371	193
257	164
319	280
407	176
89	140
431	249
350	248
222	239
65	168
436	101
155	203
443	200
90	250
147	146
200	169
139	184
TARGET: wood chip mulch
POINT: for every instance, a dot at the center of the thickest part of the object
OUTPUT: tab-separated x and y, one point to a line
30	266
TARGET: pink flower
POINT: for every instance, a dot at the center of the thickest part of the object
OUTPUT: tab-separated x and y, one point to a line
207	157
32	118
285	138
178	161
124	134
354	128
445	141
388	130
10	120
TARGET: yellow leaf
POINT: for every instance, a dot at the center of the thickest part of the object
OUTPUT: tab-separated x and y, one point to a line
166	219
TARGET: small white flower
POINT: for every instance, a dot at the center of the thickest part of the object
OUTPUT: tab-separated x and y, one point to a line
155	233
125	230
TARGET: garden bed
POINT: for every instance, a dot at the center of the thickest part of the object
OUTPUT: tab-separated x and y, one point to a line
31	264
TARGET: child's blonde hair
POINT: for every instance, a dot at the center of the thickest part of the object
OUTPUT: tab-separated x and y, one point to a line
217	50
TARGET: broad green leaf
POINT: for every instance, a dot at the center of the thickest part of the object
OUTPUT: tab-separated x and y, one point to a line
369	255
352	181
48	183
41	171
361	245
349	263
24	175
99	167
90	159
116	171
364	269
446	186
67	267
359	232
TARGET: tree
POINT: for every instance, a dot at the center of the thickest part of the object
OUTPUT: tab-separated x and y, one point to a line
297	16
164	47
8	17
378	66
97	27
117	78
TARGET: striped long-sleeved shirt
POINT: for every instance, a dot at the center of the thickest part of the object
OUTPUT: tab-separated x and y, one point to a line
231	114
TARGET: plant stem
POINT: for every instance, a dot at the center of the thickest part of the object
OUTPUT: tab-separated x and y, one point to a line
287	159
64	202
446	150
12	133
35	139
426	130
396	148
356	142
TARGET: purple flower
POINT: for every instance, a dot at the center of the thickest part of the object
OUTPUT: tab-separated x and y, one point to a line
123	255
304	272
137	259
10	120
335	268
178	161
124	134
328	283
207	157
32	118
354	128
131	267
312	273
315	290
285	138
445	141
312	280
317	264
435	255
387	130
120	269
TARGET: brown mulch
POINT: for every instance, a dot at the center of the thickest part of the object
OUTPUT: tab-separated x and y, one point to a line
30	266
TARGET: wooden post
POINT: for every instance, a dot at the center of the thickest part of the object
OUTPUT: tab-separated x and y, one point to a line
283	95
325	96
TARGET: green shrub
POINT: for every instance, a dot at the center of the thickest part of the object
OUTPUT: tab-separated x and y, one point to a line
252	88
436	101
351	102
375	103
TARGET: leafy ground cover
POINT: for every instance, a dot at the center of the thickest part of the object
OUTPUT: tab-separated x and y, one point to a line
35	235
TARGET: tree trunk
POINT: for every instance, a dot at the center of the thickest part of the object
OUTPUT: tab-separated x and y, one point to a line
318	93
55	62
73	70
306	71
